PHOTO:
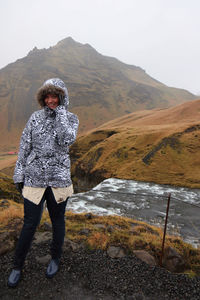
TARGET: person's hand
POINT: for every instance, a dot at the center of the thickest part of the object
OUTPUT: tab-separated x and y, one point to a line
19	186
60	109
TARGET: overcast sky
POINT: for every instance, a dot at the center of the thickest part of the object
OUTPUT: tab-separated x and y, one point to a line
160	36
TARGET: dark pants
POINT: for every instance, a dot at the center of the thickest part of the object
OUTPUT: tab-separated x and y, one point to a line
32	217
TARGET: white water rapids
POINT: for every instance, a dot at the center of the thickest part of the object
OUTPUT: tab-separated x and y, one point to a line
144	201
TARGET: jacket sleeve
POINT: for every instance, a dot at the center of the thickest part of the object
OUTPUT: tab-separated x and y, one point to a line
66	126
24	151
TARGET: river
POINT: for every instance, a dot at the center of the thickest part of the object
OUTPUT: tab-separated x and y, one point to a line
147	202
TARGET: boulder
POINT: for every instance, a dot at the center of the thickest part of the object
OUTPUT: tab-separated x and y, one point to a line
71	246
84	231
43	259
115	252
173	261
145	256
89	216
9	237
99	226
41	237
110	228
4	203
46	226
7	243
15	226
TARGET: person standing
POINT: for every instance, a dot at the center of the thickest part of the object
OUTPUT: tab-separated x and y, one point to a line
42	172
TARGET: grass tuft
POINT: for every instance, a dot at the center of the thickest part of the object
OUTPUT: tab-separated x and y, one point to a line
98	240
10	213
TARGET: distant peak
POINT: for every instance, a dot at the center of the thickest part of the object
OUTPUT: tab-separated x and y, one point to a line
67	41
35	49
36	52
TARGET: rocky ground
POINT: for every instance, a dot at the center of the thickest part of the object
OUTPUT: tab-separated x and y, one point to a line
87	275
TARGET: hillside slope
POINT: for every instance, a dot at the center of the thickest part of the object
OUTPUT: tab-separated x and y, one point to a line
101	88
160	146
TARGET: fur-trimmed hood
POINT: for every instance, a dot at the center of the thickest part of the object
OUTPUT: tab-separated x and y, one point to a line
53	86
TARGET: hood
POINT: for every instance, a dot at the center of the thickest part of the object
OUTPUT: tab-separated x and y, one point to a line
53	86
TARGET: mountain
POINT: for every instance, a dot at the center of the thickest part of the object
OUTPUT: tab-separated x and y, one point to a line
161	146
101	88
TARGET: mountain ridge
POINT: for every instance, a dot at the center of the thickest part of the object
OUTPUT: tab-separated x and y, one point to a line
101	88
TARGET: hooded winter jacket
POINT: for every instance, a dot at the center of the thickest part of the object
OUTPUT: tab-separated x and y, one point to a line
43	158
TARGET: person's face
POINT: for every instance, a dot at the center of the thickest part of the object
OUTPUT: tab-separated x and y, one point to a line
52	101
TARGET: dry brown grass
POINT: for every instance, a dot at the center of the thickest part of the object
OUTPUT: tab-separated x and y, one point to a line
138	134
10	213
7	161
172	118
129	234
98	240
100	232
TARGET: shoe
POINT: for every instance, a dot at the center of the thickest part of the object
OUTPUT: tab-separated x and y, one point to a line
14	278
52	268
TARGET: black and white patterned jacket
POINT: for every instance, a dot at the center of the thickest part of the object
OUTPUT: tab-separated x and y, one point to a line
43	158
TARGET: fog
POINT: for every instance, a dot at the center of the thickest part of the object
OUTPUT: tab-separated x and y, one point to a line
162	37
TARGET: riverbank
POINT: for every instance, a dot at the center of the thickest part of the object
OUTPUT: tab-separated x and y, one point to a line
145	201
93	275
104	232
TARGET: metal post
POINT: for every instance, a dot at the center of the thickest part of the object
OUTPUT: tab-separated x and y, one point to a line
165	229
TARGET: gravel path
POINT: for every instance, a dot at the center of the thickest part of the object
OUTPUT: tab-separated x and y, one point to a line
93	275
